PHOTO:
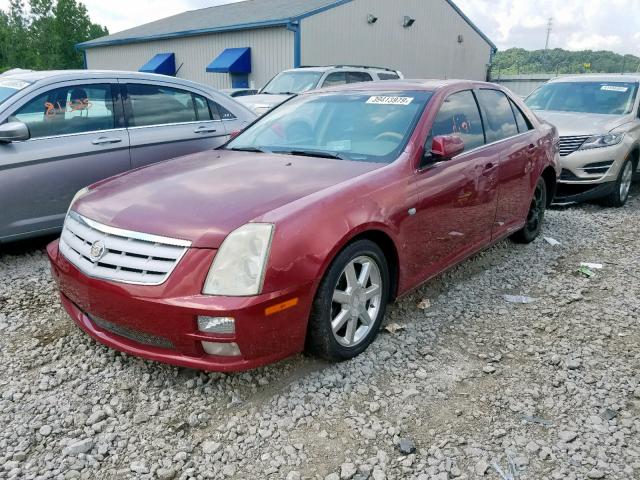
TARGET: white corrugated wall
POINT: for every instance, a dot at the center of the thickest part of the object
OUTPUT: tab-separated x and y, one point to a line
428	49
271	52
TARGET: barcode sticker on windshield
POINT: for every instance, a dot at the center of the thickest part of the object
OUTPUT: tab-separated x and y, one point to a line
380	100
614	88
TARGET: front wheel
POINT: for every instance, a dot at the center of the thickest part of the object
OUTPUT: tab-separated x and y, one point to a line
620	194
535	216
350	303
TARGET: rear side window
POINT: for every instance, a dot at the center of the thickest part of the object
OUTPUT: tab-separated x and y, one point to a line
357	77
388	76
202	108
68	110
335	78
523	124
158	105
219	112
501	123
459	115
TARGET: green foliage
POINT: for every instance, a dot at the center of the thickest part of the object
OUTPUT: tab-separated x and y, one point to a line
43	35
518	61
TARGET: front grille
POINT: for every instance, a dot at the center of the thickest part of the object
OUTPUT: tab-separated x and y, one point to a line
135	335
568	145
110	253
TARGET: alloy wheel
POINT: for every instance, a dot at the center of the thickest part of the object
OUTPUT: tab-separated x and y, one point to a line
625	181
356	301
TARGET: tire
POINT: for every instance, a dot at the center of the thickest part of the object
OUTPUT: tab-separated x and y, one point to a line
535	215
620	194
336	302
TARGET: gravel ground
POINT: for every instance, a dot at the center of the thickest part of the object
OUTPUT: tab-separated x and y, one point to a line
468	386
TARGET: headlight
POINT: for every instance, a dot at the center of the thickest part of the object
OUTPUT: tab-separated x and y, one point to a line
238	269
81	193
599	141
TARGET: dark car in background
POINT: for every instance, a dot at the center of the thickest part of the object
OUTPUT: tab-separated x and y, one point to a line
61	131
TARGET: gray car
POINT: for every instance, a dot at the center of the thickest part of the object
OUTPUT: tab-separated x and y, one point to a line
63	130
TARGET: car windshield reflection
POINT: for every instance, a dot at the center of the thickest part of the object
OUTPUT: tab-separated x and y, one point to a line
360	126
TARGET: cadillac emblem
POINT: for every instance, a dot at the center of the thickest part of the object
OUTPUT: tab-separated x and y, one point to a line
98	250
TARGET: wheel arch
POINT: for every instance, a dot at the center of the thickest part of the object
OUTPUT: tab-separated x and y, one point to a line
378	235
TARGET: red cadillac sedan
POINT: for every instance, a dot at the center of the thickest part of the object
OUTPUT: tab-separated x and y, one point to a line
297	233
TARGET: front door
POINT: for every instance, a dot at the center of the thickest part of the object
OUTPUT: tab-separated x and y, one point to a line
166	122
456	197
76	140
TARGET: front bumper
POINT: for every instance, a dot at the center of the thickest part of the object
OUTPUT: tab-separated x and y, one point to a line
589	174
575	193
160	322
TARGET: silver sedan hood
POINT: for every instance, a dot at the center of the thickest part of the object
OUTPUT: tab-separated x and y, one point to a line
262	103
575	124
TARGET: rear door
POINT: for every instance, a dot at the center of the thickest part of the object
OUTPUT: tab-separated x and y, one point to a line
508	128
457	197
77	138
166	122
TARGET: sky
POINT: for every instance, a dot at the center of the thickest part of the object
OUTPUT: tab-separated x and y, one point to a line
577	24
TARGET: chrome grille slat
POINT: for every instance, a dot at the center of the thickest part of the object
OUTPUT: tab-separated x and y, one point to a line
129	257
568	145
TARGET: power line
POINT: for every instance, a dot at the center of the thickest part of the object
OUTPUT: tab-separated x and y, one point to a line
549	29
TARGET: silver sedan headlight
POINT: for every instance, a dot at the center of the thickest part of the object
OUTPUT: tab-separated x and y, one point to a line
239	266
600	141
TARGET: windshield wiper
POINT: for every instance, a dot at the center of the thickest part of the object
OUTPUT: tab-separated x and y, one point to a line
248	149
312	153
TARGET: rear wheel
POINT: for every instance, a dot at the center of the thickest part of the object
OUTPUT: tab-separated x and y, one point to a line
535	216
350	303
620	194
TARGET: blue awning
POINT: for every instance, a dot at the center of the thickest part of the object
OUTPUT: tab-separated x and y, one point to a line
232	60
162	63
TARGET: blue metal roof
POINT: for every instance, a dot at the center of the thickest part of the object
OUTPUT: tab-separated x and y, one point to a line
232	60
162	63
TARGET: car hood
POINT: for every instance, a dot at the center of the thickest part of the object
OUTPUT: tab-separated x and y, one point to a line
203	197
262	103
574	124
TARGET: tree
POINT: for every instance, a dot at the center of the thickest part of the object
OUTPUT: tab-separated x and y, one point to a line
44	36
558	61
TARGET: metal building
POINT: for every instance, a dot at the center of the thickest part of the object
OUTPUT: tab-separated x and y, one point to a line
246	43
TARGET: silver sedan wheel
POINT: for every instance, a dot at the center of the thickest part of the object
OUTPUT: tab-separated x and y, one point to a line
625	181
356	301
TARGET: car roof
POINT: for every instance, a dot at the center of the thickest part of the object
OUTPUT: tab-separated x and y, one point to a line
405	85
604	77
62	75
325	68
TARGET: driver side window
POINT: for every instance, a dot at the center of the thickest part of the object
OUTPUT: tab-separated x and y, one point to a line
459	115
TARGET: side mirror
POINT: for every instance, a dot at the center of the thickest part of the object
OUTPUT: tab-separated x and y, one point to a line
445	147
14	132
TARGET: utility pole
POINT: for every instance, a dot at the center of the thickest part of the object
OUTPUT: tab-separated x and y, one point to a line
549	29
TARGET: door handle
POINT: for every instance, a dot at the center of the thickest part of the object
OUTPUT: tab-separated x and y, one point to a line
531	149
489	168
205	130
106	140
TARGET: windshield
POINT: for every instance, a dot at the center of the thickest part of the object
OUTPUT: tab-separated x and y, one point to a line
288	83
359	126
612	98
9	87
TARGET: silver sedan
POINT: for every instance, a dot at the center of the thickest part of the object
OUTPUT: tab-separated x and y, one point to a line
63	130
